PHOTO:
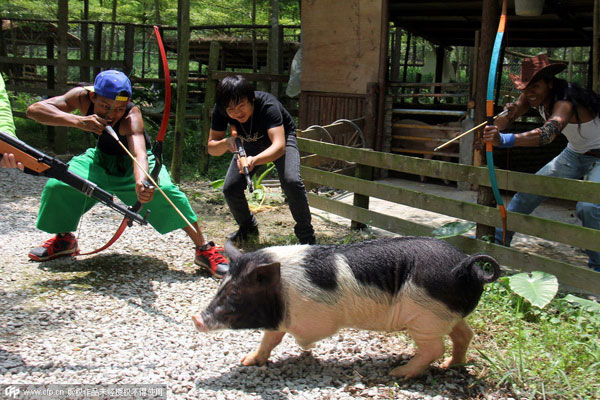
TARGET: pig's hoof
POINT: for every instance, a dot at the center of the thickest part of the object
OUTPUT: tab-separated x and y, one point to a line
406	372
253	359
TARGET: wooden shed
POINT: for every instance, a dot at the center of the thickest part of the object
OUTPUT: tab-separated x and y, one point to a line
345	48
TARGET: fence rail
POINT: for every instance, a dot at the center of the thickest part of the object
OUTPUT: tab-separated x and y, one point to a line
571	275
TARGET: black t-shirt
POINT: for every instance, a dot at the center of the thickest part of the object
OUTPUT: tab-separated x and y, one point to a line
268	113
107	144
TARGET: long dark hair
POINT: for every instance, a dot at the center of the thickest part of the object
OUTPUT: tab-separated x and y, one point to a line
233	89
576	95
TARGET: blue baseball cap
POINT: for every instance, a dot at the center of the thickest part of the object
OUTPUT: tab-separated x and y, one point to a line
112	84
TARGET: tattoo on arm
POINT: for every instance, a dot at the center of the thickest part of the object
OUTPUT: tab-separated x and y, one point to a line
548	132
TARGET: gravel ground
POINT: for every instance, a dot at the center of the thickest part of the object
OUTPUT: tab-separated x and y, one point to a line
123	317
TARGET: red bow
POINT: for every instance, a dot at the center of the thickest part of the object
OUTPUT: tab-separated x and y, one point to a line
156	149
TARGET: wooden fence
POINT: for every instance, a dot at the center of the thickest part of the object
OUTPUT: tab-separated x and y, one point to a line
577	277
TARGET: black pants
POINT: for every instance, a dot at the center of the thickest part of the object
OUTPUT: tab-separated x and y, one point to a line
288	169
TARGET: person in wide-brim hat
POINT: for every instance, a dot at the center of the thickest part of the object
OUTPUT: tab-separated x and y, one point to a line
567	109
534	68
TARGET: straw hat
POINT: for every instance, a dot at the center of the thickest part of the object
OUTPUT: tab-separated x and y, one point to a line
534	67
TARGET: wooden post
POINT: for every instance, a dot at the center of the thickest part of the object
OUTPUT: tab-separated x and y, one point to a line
474	67
596	47
570	66
3	51
371	101
254	51
275	46
111	38
209	101
183	65
50	79
396	52
377	142
144	49
60	137
97	45
489	23
360	200
84	71
406	54
466	147
129	49
439	70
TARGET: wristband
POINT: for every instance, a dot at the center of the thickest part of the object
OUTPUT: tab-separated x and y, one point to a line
507	140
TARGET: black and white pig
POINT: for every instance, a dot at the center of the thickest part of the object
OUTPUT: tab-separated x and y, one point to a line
420	284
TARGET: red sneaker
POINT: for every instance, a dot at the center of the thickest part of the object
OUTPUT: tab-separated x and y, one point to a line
209	258
58	246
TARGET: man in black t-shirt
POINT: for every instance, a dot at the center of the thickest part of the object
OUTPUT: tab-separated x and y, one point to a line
269	134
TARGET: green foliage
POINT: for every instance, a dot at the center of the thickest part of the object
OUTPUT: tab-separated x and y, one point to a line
143	11
257	197
551	353
544	346
451	229
587	305
539	288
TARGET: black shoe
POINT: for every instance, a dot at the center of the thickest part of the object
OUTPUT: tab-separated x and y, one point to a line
243	234
308	240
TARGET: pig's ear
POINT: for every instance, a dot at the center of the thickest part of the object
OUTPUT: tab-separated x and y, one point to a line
231	250
267	275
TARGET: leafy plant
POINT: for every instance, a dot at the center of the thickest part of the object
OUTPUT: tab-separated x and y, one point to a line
453	229
258	195
587	305
544	347
539	288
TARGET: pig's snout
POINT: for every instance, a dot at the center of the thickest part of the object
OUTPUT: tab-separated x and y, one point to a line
198	323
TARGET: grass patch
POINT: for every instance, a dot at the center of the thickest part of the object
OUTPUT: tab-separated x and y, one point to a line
550	353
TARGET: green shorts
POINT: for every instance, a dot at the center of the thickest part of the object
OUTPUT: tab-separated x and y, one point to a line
62	206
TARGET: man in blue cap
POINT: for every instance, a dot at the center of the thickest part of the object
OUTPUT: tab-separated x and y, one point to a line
106	103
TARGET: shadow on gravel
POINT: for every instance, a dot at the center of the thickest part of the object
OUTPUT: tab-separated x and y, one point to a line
10	360
130	278
122	276
304	373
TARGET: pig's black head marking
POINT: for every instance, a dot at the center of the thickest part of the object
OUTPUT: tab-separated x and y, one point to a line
250	296
264	276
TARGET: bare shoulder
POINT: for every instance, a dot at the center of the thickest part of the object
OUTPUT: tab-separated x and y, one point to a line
133	123
75	99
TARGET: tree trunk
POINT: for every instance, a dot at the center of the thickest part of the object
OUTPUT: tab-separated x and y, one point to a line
157	12
60	138
209	102
254	54
275	47
183	64
112	30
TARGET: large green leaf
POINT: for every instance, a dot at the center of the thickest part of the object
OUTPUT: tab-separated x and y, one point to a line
539	288
453	229
218	183
586	304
